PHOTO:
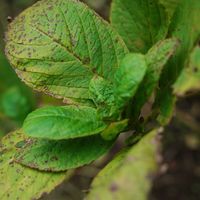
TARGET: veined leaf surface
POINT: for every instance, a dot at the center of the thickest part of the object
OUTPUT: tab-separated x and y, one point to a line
140	23
65	122
57	46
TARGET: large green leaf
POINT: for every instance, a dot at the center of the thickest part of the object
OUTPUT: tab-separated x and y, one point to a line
18	182
140	23
189	79
65	122
185	27
57	46
129	175
49	155
156	59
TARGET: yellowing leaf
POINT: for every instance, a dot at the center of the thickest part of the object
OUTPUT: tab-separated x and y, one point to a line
128	176
19	182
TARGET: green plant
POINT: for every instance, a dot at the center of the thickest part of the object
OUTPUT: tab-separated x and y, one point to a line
105	75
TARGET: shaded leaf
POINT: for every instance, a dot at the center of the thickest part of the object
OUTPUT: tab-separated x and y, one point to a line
189	80
170	6
140	23
58	46
156	59
18	182
61	155
185	27
65	122
129	175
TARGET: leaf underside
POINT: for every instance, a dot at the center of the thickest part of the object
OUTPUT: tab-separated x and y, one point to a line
49	155
57	46
19	182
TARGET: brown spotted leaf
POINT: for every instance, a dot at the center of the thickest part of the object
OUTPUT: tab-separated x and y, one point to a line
19	182
57	46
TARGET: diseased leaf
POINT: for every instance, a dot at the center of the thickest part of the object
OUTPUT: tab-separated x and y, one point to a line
49	155
156	59
57	46
185	27
189	80
140	23
65	122
128	78
18	182
128	176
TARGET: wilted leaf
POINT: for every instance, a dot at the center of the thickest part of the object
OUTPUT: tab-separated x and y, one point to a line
58	46
65	122
18	182
189	79
129	175
49	155
140	23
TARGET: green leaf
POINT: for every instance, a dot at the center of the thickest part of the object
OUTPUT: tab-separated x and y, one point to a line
61	155
112	131
65	122
128	78
129	175
170	6
102	94
57	46
18	182
189	80
140	23
185	27
156	59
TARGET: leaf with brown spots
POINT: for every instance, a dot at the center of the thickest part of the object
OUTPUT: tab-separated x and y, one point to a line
50	155
128	175
19	182
57	46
